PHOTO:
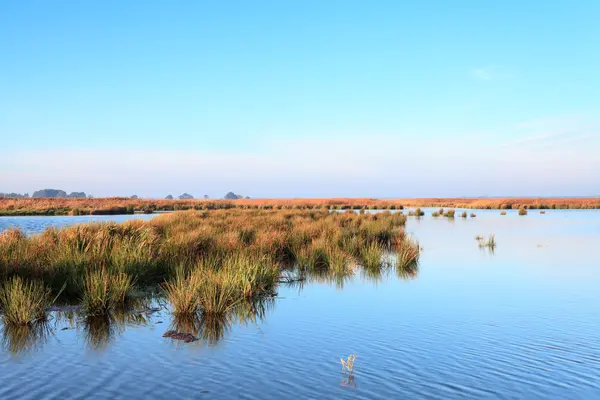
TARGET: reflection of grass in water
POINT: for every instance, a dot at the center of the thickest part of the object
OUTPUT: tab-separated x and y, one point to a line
348	364
18	339
212	327
100	330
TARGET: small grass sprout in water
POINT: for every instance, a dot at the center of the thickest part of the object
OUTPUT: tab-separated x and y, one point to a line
348	364
463	214
489	243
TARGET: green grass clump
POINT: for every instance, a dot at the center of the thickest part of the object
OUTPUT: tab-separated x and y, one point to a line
407	257
463	214
371	255
24	302
182	291
104	292
218	293
522	211
435	214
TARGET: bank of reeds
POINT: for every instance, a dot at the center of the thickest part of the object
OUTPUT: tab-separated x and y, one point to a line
206	260
121	205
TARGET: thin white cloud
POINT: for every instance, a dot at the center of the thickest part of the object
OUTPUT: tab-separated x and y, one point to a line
553	131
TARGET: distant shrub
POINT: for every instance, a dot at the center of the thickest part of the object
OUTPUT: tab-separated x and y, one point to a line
522	211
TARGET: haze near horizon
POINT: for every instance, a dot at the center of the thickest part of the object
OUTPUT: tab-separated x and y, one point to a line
300	98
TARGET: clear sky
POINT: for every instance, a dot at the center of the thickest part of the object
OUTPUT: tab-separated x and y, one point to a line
301	98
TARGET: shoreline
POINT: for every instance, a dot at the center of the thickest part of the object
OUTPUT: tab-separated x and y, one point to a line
127	206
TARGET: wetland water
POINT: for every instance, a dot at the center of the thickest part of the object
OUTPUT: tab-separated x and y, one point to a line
523	322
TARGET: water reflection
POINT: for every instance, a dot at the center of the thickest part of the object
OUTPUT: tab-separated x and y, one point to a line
99	331
349	382
18	339
212	328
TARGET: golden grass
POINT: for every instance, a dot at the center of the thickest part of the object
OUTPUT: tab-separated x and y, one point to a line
119	205
24	302
104	292
207	261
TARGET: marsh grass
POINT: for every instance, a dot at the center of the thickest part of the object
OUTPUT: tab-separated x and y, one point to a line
371	257
489	243
522	211
207	261
450	213
407	258
182	291
24	302
104	292
348	364
463	214
502	212
473	215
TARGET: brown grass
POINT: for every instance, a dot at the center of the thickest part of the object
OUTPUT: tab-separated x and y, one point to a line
119	205
247	247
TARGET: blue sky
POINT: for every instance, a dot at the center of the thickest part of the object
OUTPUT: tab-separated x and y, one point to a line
301	98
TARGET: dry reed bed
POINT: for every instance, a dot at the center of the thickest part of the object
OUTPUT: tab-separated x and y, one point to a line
208	261
118	205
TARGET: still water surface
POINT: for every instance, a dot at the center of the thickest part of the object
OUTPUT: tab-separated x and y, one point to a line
522	322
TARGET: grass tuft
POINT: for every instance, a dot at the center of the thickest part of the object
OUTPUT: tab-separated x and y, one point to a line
24	302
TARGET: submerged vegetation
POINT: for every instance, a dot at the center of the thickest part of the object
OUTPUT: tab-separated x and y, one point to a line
207	262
